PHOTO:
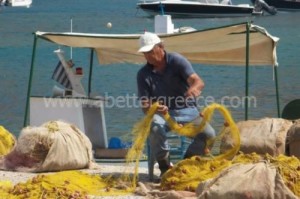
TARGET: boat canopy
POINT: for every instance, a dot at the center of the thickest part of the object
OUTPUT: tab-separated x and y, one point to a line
226	45
243	44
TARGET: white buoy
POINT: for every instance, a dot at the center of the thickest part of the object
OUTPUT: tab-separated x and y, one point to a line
108	25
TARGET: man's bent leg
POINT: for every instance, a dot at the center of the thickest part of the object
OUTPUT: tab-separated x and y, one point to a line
209	131
197	147
159	144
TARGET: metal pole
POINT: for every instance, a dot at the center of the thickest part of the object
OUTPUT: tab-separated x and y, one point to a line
71	29
277	91
30	81
90	72
247	70
161	6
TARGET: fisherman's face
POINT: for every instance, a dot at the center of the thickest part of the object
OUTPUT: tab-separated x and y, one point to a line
154	56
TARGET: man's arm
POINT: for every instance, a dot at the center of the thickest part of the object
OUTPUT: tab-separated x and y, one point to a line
145	105
196	85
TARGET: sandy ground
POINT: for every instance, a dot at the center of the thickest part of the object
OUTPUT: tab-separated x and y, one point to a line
104	169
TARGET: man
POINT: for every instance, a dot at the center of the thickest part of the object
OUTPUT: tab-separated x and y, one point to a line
170	79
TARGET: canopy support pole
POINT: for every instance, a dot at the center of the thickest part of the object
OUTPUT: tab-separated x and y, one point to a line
277	91
90	72
247	70
30	81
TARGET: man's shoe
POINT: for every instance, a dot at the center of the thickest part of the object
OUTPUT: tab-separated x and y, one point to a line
164	166
197	147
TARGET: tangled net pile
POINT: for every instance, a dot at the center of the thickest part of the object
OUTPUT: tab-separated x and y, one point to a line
7	141
185	175
65	184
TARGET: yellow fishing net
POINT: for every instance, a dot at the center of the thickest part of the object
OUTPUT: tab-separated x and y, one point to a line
65	184
185	175
191	130
289	168
62	185
7	141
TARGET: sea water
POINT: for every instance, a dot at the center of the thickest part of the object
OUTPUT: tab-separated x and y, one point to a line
92	16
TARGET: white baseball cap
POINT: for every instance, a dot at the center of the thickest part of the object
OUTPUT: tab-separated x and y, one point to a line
147	41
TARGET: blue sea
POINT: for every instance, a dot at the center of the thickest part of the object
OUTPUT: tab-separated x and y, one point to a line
91	16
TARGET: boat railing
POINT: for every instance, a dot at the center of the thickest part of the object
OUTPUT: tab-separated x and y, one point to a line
149	1
210	1
225	2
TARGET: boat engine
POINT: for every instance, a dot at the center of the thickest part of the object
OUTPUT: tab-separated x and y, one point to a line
261	5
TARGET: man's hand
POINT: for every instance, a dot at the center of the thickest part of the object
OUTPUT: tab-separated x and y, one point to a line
196	85
162	109
192	92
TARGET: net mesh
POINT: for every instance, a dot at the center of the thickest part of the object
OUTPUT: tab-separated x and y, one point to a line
7	141
185	175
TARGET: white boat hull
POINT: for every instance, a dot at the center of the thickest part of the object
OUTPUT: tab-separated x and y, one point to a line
20	3
195	8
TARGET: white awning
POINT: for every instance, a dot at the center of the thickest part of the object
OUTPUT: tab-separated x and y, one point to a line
218	46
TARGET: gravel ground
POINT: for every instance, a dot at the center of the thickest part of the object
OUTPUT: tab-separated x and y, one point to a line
104	169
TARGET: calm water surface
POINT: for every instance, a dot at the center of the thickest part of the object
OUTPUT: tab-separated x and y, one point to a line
16	42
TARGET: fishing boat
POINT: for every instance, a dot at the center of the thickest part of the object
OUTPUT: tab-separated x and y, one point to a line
198	8
16	3
227	45
285	5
